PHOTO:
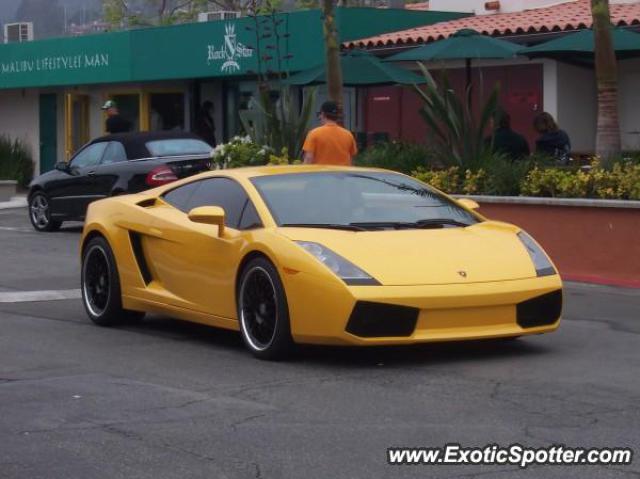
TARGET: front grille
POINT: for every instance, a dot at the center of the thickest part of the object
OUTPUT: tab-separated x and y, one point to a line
369	320
540	311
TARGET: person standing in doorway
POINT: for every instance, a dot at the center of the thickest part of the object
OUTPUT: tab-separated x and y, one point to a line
115	123
329	144
205	126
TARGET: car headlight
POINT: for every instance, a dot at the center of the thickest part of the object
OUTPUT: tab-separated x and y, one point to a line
540	260
344	269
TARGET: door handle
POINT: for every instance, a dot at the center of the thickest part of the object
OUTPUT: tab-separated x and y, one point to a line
92	173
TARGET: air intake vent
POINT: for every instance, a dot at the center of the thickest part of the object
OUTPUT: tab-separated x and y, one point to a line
138	252
369	320
148	203
540	311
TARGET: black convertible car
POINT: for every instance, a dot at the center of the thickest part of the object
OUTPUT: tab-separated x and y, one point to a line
113	165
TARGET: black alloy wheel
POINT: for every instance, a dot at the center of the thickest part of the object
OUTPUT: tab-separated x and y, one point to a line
263	312
101	293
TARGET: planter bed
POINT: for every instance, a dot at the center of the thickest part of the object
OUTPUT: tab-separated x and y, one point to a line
594	241
7	189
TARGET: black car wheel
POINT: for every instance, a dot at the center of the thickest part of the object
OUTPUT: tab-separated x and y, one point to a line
40	213
263	312
101	293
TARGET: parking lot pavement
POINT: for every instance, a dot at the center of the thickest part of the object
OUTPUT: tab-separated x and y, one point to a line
164	399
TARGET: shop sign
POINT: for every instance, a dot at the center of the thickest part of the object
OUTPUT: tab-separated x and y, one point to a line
230	53
55	63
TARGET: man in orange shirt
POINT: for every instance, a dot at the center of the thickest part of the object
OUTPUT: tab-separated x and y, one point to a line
329	144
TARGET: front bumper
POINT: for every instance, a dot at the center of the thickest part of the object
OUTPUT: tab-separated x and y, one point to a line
320	311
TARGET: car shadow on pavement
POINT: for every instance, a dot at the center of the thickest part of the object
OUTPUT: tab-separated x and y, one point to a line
426	353
346	356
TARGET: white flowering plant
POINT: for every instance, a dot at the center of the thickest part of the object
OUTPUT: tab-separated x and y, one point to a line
240	151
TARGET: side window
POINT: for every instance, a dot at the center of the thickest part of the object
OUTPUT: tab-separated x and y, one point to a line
229	195
249	218
89	156
179	197
114	153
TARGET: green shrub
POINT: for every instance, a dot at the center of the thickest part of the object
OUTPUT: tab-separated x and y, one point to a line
528	178
493	174
397	156
16	162
621	181
240	151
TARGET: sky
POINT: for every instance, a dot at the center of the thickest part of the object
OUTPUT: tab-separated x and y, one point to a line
8	7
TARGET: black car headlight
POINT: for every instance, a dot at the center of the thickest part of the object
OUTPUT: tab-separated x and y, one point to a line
540	260
344	269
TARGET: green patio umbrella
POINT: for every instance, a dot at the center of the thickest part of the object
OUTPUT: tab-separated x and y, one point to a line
465	44
359	68
579	47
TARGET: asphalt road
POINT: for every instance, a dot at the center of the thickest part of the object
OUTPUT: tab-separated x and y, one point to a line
165	399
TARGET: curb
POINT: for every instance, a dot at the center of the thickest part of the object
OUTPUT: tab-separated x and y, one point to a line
15	202
601	280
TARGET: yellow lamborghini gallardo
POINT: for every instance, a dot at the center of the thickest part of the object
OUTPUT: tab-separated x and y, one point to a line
312	254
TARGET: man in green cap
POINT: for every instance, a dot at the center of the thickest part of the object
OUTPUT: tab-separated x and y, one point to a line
115	123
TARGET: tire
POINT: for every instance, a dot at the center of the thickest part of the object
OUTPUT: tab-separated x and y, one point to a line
263	312
100	286
40	213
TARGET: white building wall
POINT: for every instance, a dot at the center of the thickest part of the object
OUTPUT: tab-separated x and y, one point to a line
478	6
19	118
577	105
550	87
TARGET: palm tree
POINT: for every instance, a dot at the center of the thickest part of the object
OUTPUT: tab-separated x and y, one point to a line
608	129
332	52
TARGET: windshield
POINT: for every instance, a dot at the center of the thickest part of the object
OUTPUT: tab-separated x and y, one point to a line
364	200
178	147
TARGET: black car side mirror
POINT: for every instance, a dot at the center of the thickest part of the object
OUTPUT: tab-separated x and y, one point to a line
62	166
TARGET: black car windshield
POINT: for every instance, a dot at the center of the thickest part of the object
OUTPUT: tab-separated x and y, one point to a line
178	147
363	200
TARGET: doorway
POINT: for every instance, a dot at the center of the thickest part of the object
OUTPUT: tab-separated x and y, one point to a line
129	108
166	111
77	123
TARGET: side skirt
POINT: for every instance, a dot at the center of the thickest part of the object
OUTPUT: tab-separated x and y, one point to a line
184	314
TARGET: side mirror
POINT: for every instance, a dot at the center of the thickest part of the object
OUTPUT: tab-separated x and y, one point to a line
467	203
62	166
209	215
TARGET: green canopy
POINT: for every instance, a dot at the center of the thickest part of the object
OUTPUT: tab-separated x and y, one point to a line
359	68
579	46
465	44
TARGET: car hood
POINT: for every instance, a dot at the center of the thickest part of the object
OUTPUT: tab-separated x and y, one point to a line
487	251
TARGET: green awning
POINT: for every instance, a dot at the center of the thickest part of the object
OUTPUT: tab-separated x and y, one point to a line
359	68
581	45
465	44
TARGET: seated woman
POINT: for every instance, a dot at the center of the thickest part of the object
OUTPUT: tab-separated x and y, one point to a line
552	140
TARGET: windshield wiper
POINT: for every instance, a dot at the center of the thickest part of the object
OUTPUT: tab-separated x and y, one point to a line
428	223
331	226
441	222
383	224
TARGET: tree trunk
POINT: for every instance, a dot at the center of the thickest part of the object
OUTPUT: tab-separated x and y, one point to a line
332	51
608	129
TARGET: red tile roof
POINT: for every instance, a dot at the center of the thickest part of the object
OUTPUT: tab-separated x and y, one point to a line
567	16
